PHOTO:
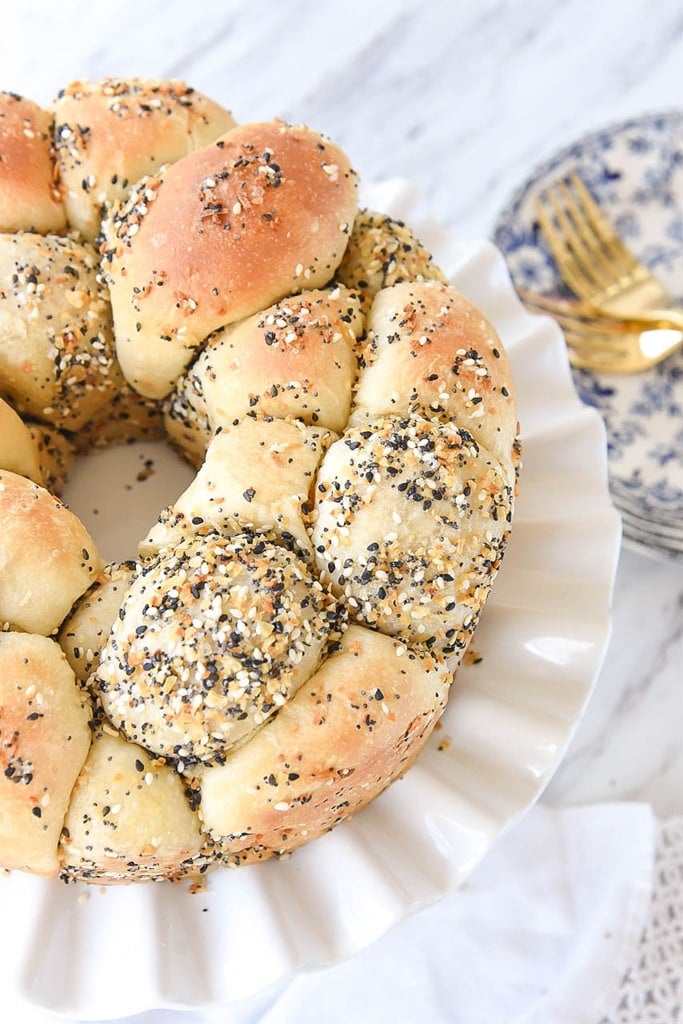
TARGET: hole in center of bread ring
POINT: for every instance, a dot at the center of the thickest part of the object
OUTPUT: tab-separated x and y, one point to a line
117	492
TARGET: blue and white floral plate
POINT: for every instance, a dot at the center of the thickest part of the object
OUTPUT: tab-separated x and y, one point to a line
635	171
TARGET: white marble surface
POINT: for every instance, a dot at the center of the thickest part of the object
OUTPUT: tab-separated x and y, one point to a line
628	746
464	97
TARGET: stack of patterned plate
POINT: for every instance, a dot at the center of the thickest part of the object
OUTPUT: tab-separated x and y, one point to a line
635	171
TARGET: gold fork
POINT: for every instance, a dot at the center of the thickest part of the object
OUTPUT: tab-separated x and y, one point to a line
570	312
620	351
592	259
605	345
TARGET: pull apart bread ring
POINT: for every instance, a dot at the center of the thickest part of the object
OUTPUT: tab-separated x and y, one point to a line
280	646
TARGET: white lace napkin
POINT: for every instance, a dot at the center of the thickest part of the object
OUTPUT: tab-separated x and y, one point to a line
545	932
651	989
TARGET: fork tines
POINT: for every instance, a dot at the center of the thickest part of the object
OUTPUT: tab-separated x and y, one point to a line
584	244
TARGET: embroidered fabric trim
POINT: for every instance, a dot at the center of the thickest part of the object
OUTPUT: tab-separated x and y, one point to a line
651	990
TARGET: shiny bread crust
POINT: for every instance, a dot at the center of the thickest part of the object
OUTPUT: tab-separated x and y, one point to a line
111	133
30	192
44	740
262	213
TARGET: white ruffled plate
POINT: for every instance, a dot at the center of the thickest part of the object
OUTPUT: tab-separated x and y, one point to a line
91	953
635	171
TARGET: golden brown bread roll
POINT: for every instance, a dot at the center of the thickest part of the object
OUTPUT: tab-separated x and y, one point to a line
410	524
56	454
109	134
86	629
34	450
258	474
129	818
383	251
56	348
296	358
213	636
30	198
44	740
433	353
47	557
18	450
353	728
262	213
